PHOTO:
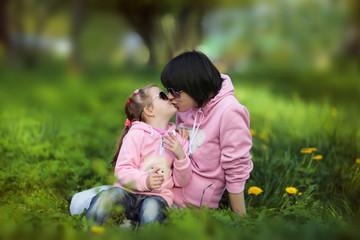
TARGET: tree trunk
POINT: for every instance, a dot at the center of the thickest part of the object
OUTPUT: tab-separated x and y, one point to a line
77	24
4	30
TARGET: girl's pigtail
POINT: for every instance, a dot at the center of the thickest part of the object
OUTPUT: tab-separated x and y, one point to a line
123	134
133	110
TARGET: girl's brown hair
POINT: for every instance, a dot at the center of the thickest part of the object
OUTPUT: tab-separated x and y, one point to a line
134	112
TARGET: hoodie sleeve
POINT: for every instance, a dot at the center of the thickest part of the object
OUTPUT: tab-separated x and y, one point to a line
235	143
182	168
128	163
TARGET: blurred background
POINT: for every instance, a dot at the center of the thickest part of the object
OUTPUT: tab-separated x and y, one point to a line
242	36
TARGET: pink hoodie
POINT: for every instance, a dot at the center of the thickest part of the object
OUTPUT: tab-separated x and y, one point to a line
220	143
142	141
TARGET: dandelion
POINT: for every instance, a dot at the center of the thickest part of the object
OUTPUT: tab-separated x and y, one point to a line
300	193
265	147
262	137
333	112
253	133
308	150
291	190
317	158
97	229
305	150
254	191
357	160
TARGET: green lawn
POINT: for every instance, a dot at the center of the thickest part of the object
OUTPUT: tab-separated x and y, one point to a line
58	131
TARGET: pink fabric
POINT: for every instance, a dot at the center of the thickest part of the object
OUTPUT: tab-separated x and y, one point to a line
160	131
222	159
142	141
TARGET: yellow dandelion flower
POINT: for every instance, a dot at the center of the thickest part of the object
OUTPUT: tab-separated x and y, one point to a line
300	193
308	150
318	157
255	190
358	161
305	150
253	133
97	229
291	190
265	147
333	112
262	137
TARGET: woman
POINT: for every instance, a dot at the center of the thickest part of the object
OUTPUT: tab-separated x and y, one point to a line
220	139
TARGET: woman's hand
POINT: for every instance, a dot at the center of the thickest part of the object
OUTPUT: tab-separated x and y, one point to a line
173	145
154	179
183	133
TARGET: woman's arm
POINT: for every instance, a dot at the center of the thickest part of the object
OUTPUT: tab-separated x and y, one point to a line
236	143
237	202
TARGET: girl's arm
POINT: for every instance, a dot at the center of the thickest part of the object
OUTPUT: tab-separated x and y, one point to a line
182	165
127	166
237	203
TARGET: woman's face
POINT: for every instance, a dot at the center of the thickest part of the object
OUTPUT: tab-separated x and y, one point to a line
183	103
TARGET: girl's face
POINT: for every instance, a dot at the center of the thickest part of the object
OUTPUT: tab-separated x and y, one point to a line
182	101
162	107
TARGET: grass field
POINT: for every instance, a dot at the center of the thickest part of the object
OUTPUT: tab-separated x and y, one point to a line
58	131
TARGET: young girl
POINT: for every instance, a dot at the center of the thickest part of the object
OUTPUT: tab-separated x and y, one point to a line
147	134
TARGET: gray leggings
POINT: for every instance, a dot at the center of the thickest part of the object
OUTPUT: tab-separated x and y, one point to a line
138	207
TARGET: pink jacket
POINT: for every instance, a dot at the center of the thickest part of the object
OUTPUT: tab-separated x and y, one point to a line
142	141
220	143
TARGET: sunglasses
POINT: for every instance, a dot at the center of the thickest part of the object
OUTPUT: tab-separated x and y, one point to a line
161	95
174	92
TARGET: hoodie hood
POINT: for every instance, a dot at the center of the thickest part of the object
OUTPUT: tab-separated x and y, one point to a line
137	125
227	89
151	132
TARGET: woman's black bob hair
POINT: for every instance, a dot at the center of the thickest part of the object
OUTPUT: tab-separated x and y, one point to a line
194	73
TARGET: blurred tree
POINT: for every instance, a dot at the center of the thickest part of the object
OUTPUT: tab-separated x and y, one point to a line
22	24
77	24
163	24
4	28
352	47
166	26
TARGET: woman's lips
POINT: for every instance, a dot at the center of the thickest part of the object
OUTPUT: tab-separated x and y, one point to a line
175	105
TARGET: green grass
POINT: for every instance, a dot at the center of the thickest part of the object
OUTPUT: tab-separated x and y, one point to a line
58	131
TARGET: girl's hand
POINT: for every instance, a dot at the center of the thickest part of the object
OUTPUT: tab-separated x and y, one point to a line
173	145
154	179
183	133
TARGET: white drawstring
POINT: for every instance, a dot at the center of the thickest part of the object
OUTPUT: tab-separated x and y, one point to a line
161	143
195	129
161	150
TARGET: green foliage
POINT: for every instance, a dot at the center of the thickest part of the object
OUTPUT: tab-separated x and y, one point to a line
57	137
